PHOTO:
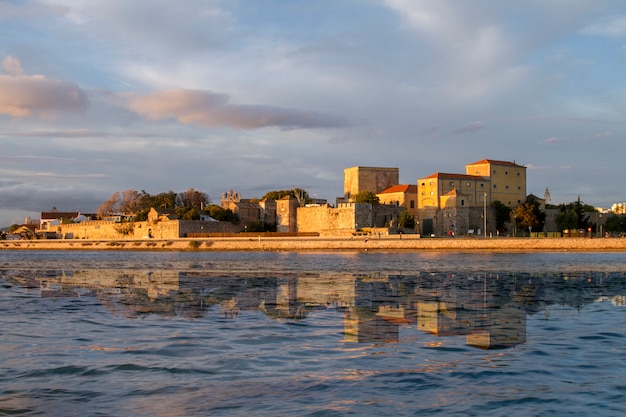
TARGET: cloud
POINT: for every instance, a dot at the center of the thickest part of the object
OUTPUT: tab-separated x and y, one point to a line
35	95
470	127
603	135
206	108
614	26
12	66
552	141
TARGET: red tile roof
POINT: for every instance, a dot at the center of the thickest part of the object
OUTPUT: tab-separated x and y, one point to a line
494	162
400	188
447	176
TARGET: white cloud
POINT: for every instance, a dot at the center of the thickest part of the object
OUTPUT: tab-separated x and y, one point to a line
35	95
614	26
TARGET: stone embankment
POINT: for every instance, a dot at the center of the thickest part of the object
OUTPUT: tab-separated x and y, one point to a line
391	243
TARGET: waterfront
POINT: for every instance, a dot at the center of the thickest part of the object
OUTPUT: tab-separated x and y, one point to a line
315	333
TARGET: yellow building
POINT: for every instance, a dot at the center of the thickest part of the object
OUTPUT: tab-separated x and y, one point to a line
460	203
373	179
401	195
508	180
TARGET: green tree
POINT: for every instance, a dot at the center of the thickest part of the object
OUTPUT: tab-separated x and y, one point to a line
221	214
503	215
406	221
616	223
566	219
573	215
298	193
366	197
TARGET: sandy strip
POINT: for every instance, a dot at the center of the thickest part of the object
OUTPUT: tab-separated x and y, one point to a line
392	243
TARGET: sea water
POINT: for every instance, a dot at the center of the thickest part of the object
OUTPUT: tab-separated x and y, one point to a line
312	334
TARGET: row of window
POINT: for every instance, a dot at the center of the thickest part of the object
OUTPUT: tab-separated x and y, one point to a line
507	173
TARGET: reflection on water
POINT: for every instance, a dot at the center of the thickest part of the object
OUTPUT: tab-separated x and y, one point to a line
312	334
488	309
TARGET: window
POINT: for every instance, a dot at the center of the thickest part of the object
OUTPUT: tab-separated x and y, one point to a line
506	186
412	204
482	185
423	184
494	186
494	172
432	193
506	172
518	174
469	183
462	202
451	183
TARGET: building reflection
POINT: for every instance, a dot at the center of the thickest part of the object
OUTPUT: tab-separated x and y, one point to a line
488	310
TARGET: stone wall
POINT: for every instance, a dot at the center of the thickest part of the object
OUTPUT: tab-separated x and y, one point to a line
171	229
347	218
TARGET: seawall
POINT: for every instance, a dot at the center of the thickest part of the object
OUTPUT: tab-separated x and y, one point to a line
391	243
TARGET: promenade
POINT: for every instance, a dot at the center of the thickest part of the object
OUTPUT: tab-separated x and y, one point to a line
360	243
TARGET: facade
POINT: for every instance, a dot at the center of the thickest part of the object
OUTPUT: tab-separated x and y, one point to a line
53	218
460	204
508	180
401	195
348	219
358	179
286	214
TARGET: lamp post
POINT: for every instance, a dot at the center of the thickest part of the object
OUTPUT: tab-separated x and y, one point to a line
485	214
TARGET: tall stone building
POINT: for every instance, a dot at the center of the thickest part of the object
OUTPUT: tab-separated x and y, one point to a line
460	203
374	179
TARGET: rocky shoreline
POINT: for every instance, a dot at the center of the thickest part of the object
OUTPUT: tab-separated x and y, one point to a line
391	243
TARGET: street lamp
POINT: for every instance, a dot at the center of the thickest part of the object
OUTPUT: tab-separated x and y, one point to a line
485	214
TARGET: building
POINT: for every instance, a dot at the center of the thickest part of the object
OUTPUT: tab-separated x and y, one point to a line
460	204
401	195
374	179
286	214
508	180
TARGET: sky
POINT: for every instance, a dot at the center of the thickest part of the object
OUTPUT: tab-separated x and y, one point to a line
100	96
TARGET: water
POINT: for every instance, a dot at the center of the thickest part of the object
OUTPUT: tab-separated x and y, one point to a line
312	334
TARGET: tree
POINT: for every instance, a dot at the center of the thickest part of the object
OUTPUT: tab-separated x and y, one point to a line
566	219
503	214
130	202
406	221
298	193
109	207
572	215
192	199
222	214
366	197
529	216
616	223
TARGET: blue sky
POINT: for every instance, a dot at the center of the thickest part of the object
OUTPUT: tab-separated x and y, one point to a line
99	96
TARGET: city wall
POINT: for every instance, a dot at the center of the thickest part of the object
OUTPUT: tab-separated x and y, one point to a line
171	229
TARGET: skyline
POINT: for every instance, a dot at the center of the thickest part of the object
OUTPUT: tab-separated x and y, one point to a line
99	96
